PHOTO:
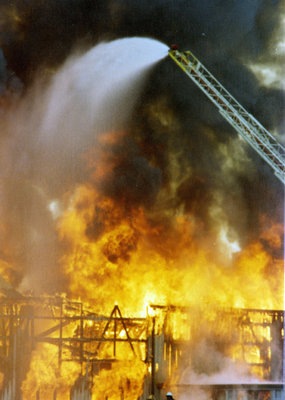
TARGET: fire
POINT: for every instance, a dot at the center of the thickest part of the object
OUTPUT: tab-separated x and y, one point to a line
123	379
262	278
45	375
120	257
118	252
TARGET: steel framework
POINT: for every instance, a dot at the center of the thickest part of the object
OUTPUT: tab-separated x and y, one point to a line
80	335
257	337
243	122
68	325
162	340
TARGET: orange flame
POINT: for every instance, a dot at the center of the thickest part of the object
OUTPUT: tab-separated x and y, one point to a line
45	376
131	258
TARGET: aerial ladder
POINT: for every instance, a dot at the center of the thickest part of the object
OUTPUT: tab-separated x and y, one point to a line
243	122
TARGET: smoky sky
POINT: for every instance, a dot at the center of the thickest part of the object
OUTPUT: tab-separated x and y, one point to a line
226	35
45	32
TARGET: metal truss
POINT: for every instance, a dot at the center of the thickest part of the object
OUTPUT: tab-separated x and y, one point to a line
94	341
84	334
249	331
243	122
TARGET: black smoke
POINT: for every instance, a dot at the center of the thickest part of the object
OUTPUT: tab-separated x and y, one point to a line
173	120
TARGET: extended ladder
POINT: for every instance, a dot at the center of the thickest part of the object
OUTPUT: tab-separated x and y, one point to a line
243	122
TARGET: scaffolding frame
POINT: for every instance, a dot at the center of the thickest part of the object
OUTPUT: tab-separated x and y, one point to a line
249	330
80	335
94	340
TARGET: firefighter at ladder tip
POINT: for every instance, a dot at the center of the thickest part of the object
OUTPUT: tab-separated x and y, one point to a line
174	47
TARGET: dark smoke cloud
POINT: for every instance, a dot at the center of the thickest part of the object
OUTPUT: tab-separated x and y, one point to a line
211	165
133	180
225	36
37	33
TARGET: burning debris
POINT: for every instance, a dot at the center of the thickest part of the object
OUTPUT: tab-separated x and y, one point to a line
119	184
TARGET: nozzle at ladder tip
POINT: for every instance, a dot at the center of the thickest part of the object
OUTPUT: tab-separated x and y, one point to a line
173	47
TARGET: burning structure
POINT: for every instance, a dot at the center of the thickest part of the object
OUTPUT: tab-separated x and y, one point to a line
139	355
130	194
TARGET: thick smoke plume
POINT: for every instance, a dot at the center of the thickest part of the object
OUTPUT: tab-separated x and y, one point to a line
176	144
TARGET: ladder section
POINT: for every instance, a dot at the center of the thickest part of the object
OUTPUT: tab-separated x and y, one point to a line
243	122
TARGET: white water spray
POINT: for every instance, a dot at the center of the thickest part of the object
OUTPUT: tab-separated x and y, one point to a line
96	92
92	93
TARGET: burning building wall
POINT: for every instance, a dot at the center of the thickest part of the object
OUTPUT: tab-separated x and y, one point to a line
147	195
